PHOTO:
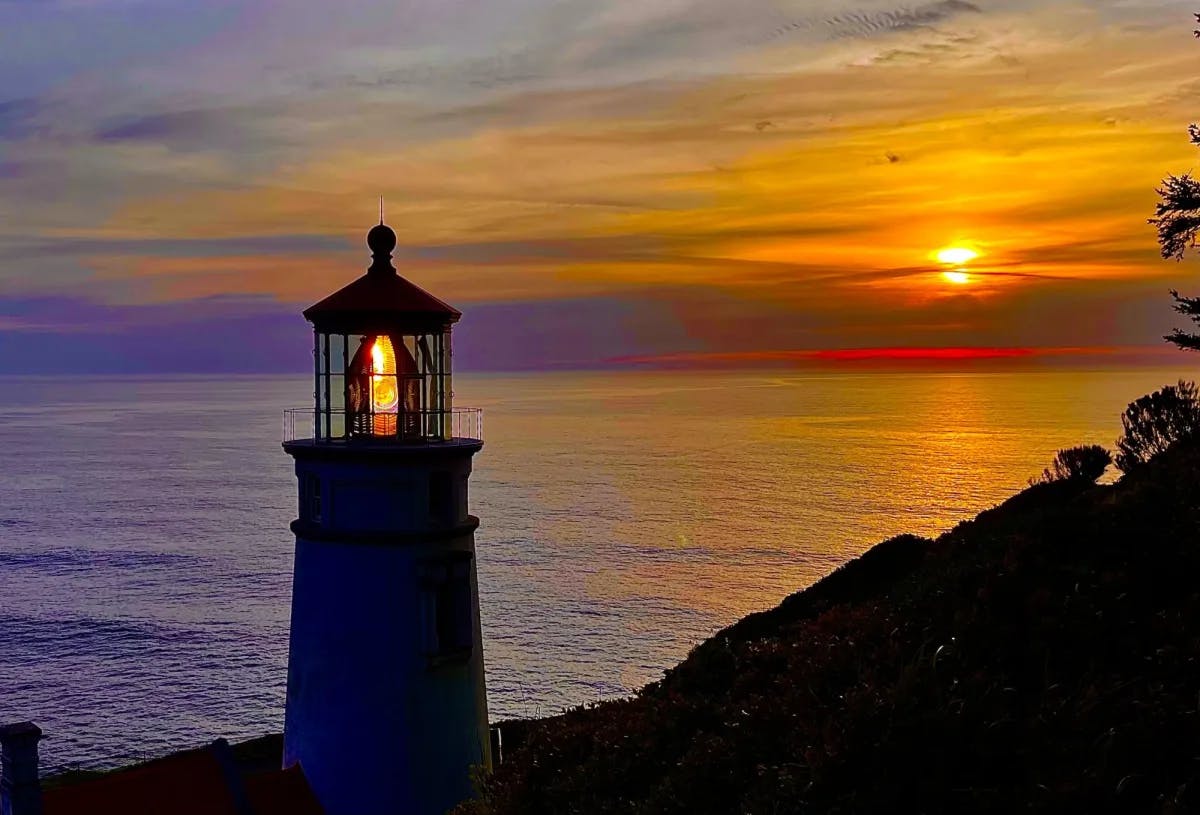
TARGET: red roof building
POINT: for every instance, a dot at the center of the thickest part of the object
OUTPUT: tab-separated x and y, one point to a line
206	781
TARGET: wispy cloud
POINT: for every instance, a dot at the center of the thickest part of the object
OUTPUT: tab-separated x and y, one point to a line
870	23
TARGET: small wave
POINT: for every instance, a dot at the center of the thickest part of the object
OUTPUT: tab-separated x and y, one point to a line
25	637
67	560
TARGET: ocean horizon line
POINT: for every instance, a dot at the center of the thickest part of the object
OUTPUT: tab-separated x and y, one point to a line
932	359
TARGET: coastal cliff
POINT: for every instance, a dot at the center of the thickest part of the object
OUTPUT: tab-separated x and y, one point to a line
1041	657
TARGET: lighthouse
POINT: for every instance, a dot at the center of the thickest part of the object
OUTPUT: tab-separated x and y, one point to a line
386	708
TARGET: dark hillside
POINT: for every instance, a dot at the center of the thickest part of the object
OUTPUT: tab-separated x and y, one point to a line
1042	657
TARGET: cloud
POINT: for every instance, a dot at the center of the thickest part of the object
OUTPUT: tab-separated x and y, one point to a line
18	249
47	44
566	333
862	23
17	117
163	127
64	335
260	334
920	358
682	163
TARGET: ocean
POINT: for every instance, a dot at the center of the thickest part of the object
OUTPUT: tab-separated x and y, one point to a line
145	557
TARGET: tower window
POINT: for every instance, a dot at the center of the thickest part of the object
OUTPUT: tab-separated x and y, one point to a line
310	499
441	498
447	608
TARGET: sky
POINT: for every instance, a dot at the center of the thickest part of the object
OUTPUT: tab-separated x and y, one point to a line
592	182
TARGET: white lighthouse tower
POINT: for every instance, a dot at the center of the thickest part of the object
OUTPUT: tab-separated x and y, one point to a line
386	709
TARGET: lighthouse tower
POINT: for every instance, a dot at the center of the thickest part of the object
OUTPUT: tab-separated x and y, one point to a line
386	709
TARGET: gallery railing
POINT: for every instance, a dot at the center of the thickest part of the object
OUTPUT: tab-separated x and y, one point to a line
336	426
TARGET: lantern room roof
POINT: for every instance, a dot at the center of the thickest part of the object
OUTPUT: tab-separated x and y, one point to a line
381	300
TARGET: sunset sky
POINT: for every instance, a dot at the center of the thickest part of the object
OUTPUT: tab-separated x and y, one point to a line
592	182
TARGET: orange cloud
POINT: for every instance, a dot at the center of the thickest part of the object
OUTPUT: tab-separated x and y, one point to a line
902	356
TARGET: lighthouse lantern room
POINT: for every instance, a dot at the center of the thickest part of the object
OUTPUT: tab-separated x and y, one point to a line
382	353
386	708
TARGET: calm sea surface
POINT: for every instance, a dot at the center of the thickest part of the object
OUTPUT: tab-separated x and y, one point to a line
145	558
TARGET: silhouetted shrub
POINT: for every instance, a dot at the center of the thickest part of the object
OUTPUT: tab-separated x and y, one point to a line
1155	422
1084	463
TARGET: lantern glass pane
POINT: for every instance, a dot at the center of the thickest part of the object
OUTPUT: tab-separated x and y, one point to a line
383	386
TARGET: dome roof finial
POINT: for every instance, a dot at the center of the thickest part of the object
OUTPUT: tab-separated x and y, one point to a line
382	240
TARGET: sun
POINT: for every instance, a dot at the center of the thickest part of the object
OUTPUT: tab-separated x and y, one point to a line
956	255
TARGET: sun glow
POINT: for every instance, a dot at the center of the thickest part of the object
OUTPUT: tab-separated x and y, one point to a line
957	277
956	255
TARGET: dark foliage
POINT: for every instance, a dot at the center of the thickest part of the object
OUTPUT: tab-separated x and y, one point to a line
1177	214
1190	308
1155	422
1044	657
1084	463
1177	219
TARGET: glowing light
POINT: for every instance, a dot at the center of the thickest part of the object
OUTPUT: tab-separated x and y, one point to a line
384	396
958	278
956	256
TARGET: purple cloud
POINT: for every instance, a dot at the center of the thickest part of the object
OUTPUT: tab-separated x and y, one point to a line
16	117
64	335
